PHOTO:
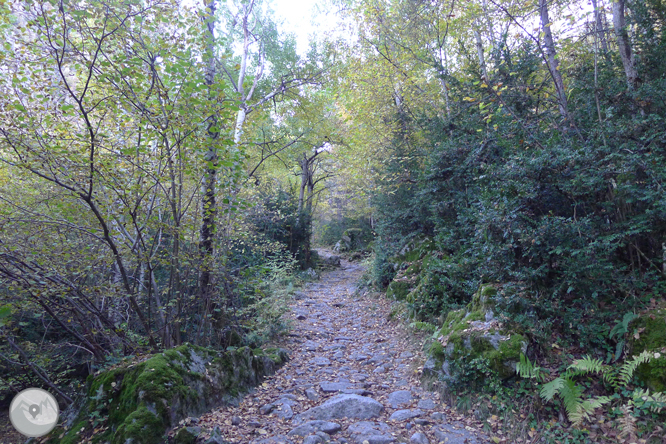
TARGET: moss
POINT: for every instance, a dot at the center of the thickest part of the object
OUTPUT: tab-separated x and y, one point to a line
398	290
652	337
414	269
452	322
141	426
481	300
487	290
186	435
140	400
436	350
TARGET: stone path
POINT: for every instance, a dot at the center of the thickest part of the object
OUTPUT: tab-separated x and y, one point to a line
353	378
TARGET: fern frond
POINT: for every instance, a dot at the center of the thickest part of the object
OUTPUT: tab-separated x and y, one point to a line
655	401
622	327
587	407
627	423
571	395
589	365
550	389
628	368
526	369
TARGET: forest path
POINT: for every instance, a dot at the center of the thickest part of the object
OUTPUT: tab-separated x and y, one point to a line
353	377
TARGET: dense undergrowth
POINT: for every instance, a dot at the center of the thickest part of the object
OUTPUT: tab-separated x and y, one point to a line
559	204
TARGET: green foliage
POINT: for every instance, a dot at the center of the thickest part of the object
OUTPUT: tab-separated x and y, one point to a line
618	379
620	330
527	370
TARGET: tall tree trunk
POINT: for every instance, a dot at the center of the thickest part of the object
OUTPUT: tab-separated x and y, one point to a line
479	50
600	31
551	54
209	209
624	45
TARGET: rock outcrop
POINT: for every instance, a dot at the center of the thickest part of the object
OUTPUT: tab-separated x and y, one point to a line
472	333
139	400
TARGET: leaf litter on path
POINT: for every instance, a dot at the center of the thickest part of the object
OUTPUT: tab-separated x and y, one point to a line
343	343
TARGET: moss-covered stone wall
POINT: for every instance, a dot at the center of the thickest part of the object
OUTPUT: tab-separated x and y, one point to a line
138	401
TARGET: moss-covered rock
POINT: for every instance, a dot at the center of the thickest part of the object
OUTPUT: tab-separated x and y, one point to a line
473	333
410	264
650	334
139	400
398	290
186	435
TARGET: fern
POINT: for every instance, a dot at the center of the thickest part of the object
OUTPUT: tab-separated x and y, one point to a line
656	402
589	365
527	370
621	329
627	423
628	368
550	389
571	394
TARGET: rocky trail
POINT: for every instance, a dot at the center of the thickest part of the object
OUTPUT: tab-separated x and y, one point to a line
353	377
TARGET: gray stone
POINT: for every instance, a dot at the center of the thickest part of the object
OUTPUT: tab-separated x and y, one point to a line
380	369
362	392
332	261
371	432
430	367
311	345
378	359
314	439
400	398
419	438
453	435
279	439
216	437
311	394
341	406
406	354
426	404
299	295
360	377
284	411
266	409
332	387
236	420
187	434
437	416
311	427
320	360
403	415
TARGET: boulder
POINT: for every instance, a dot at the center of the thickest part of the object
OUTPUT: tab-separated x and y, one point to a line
472	333
343	406
311	427
331	261
419	438
455	434
400	398
140	399
403	415
373	433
